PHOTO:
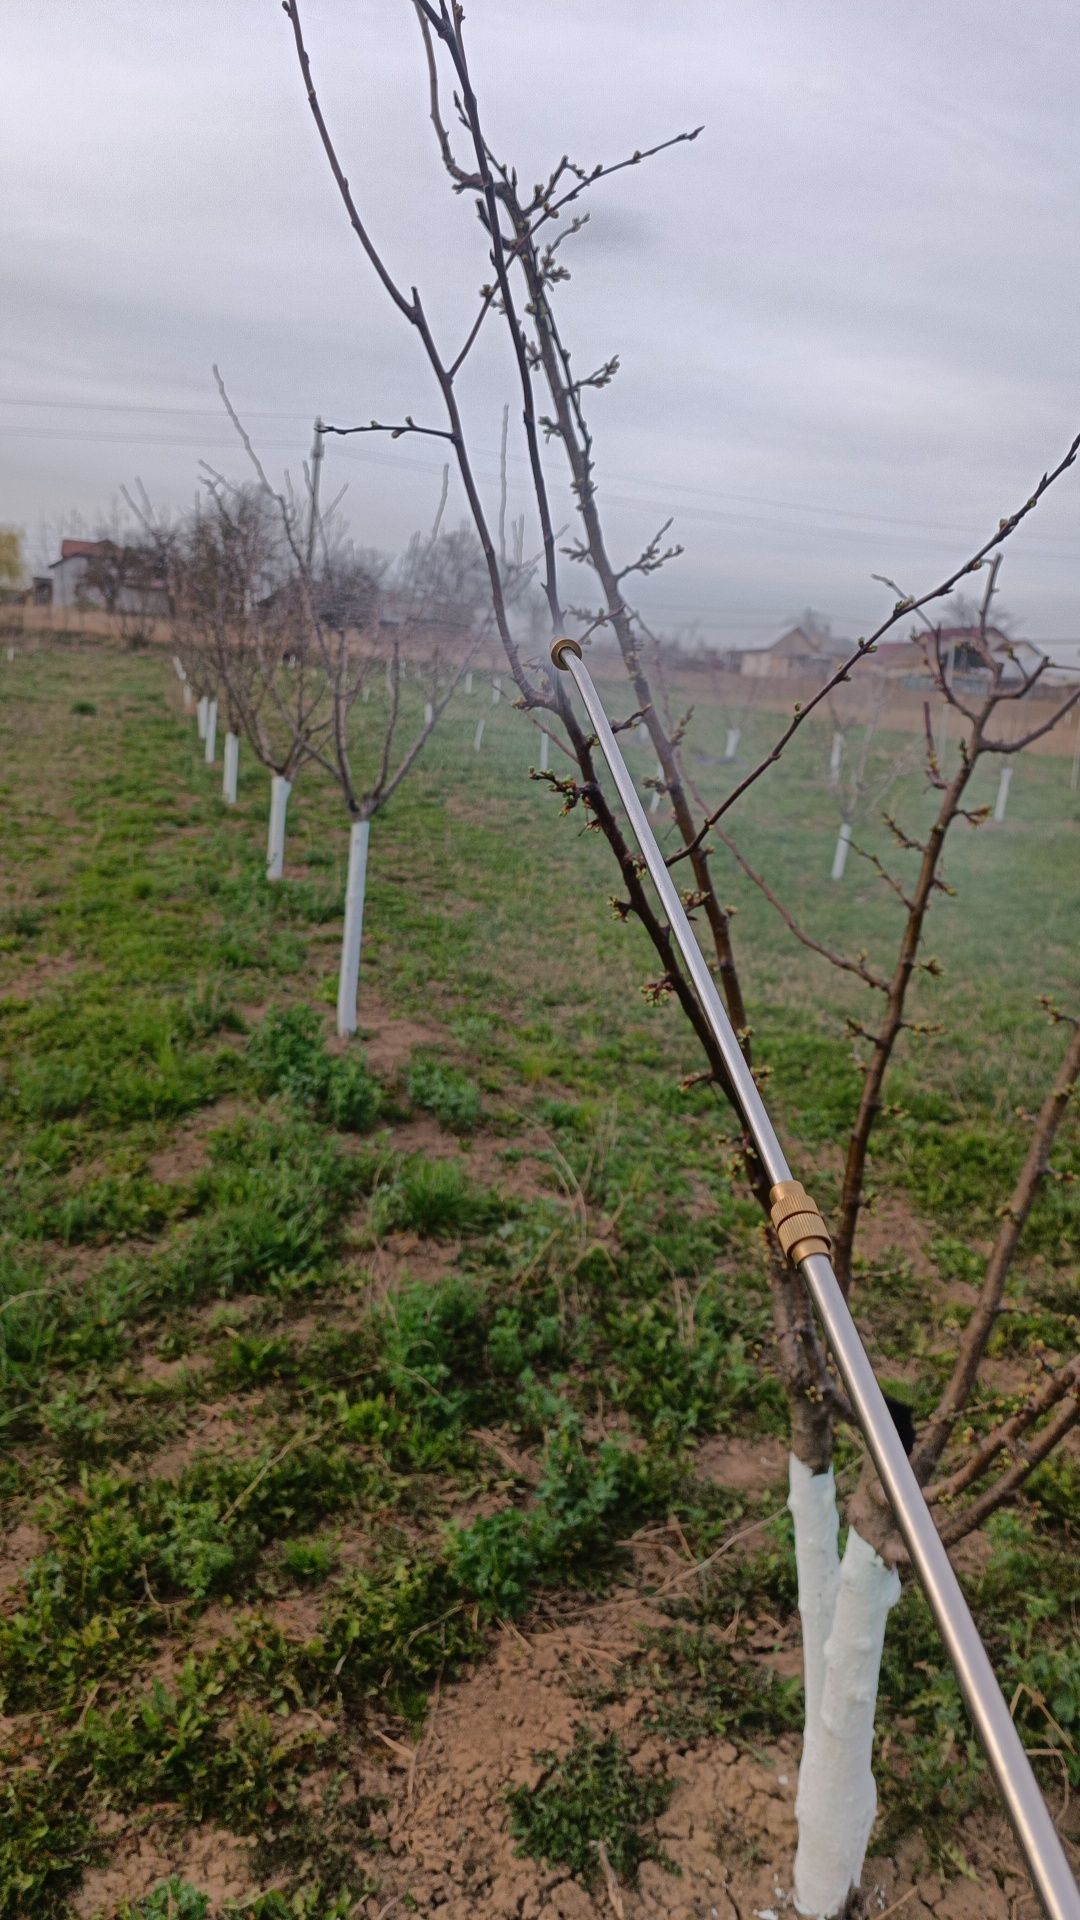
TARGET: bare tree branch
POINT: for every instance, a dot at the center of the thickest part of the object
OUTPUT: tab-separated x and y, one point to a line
959	1525
903	607
1014	1217
1059	1383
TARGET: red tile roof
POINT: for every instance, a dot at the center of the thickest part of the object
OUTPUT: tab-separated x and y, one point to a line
83	549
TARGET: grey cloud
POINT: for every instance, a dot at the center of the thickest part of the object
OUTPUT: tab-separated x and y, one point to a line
856	291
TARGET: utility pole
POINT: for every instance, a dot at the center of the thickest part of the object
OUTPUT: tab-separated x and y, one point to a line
948	672
316	463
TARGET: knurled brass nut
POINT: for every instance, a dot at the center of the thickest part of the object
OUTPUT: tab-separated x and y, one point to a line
798	1225
563	645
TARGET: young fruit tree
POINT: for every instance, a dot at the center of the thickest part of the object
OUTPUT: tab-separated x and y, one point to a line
223	568
250	633
864	773
351	634
968	1466
441	618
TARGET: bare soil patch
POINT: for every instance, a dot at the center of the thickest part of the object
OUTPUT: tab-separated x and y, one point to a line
522	1167
402	1257
48	970
217	1427
389	1039
891	1227
212	1860
748	1466
729	1830
20	1545
185	1154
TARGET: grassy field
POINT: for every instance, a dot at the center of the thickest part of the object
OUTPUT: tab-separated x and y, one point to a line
366	1410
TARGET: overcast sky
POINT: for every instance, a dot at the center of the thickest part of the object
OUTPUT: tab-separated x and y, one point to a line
846	316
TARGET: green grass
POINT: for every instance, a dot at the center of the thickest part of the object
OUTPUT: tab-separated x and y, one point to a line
588	1798
221	1249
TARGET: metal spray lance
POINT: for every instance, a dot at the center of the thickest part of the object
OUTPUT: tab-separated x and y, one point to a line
805	1241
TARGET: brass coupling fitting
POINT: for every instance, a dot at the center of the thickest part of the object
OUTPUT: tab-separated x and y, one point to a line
799	1226
563	645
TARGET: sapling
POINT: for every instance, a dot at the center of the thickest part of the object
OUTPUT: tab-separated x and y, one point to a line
521	271
863	788
242	605
741	694
331	601
388	761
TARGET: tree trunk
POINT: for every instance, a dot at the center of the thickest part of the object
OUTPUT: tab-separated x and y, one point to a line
843	842
844	1608
352	934
280	789
211	732
835	759
200	715
231	768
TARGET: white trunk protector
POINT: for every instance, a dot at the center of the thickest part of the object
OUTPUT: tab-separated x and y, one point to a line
844	1608
280	789
353	931
231	768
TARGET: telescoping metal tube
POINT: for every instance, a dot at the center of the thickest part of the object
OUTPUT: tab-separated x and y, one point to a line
1019	1789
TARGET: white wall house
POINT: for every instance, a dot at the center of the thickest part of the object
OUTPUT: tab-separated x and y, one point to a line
803	651
69	573
71	588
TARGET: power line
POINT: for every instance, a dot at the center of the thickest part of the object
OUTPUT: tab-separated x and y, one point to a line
858	517
141	406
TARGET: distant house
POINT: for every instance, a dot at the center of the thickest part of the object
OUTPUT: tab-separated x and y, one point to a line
964	651
346	597
101	573
809	652
962	655
901	658
69	585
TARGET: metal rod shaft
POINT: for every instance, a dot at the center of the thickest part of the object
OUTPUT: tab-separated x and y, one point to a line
1035	1831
